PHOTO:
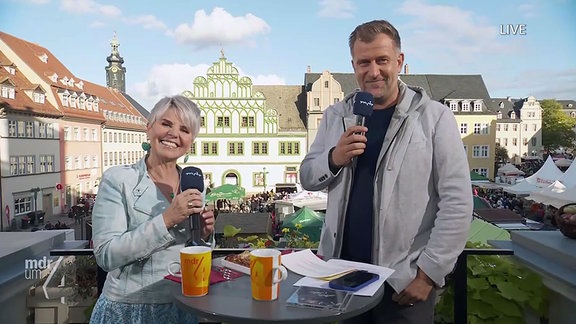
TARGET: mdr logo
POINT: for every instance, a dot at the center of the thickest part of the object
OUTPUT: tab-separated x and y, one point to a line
34	269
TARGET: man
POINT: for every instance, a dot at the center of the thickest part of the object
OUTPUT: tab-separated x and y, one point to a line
399	196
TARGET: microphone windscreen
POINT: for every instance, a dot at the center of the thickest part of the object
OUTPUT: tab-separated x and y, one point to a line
191	178
363	104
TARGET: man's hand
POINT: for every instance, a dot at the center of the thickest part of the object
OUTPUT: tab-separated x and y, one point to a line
418	290
349	146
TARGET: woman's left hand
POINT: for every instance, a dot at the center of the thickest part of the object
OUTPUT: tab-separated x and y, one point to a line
207	221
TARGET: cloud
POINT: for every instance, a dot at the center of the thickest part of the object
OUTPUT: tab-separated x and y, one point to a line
89	7
220	28
97	24
451	36
170	79
540	83
336	9
147	22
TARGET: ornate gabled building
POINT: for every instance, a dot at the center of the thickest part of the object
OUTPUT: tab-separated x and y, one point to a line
83	110
250	135
519	126
465	95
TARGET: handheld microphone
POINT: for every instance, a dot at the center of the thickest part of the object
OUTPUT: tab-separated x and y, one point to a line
363	107
192	178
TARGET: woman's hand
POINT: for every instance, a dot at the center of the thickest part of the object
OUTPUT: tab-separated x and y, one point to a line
208	221
183	205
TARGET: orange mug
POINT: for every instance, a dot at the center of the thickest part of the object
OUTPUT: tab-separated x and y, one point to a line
266	272
195	265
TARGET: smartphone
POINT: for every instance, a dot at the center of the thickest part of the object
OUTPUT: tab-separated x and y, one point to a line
353	281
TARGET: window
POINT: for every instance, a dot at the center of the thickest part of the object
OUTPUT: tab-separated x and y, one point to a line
105	158
21	128
497	127
67	133
41	130
259	148
8	91
85	133
235	148
67	163
326	84
193	149
498	140
477	106
77	134
22	205
453	105
505	127
514	141
525	141
223	121
202	121
21	165
477	128
94	135
481	171
13	165
46	163
463	128
39	97
65	100
289	148
485	129
86	161
466	106
316	102
534	127
480	151
506	142
29	129
30	164
525	127
50	130
77	162
534	141
247	121
12	128
209	148
515	127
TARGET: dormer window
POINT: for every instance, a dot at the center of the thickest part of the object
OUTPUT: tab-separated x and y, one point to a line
466	106
65	97
454	105
513	115
73	100
43	57
570	105
80	85
53	77
96	101
477	106
39	97
64	80
71	82
501	105
10	69
89	104
8	89
499	114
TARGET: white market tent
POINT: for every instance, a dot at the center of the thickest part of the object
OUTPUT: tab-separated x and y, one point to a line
544	177
509	169
560	192
563	163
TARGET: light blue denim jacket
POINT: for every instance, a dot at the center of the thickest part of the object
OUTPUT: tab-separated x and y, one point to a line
131	241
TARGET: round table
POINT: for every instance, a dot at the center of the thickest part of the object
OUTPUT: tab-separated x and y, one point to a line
231	302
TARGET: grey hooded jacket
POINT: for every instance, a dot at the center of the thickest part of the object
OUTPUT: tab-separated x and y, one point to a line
422	191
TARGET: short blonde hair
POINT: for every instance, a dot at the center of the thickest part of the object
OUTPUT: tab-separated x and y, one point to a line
185	108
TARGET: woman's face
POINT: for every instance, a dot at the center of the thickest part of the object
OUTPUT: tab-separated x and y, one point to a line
169	137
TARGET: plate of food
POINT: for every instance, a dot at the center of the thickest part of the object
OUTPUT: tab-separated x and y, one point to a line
239	262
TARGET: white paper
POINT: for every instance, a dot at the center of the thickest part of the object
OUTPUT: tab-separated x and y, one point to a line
369	290
306	263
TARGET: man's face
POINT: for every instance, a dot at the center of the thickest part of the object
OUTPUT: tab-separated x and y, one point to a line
376	68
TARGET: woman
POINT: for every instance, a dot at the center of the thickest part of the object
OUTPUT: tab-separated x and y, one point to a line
138	221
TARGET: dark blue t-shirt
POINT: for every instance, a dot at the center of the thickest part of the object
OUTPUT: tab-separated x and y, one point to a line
357	240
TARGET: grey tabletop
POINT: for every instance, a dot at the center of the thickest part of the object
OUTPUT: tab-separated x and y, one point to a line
231	302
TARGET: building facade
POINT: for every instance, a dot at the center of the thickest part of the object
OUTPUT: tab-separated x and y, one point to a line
51	131
250	136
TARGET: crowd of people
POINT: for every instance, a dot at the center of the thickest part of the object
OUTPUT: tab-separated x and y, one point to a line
262	202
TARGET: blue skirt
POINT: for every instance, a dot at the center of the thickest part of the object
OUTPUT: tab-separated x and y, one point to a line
107	311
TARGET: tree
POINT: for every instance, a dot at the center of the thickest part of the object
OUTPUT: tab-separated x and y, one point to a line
501	154
557	127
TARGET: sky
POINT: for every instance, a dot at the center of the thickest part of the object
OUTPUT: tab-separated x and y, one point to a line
521	48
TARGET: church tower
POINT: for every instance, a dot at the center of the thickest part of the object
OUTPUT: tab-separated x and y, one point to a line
115	72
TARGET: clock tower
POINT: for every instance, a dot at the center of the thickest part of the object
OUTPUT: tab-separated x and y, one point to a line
115	72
